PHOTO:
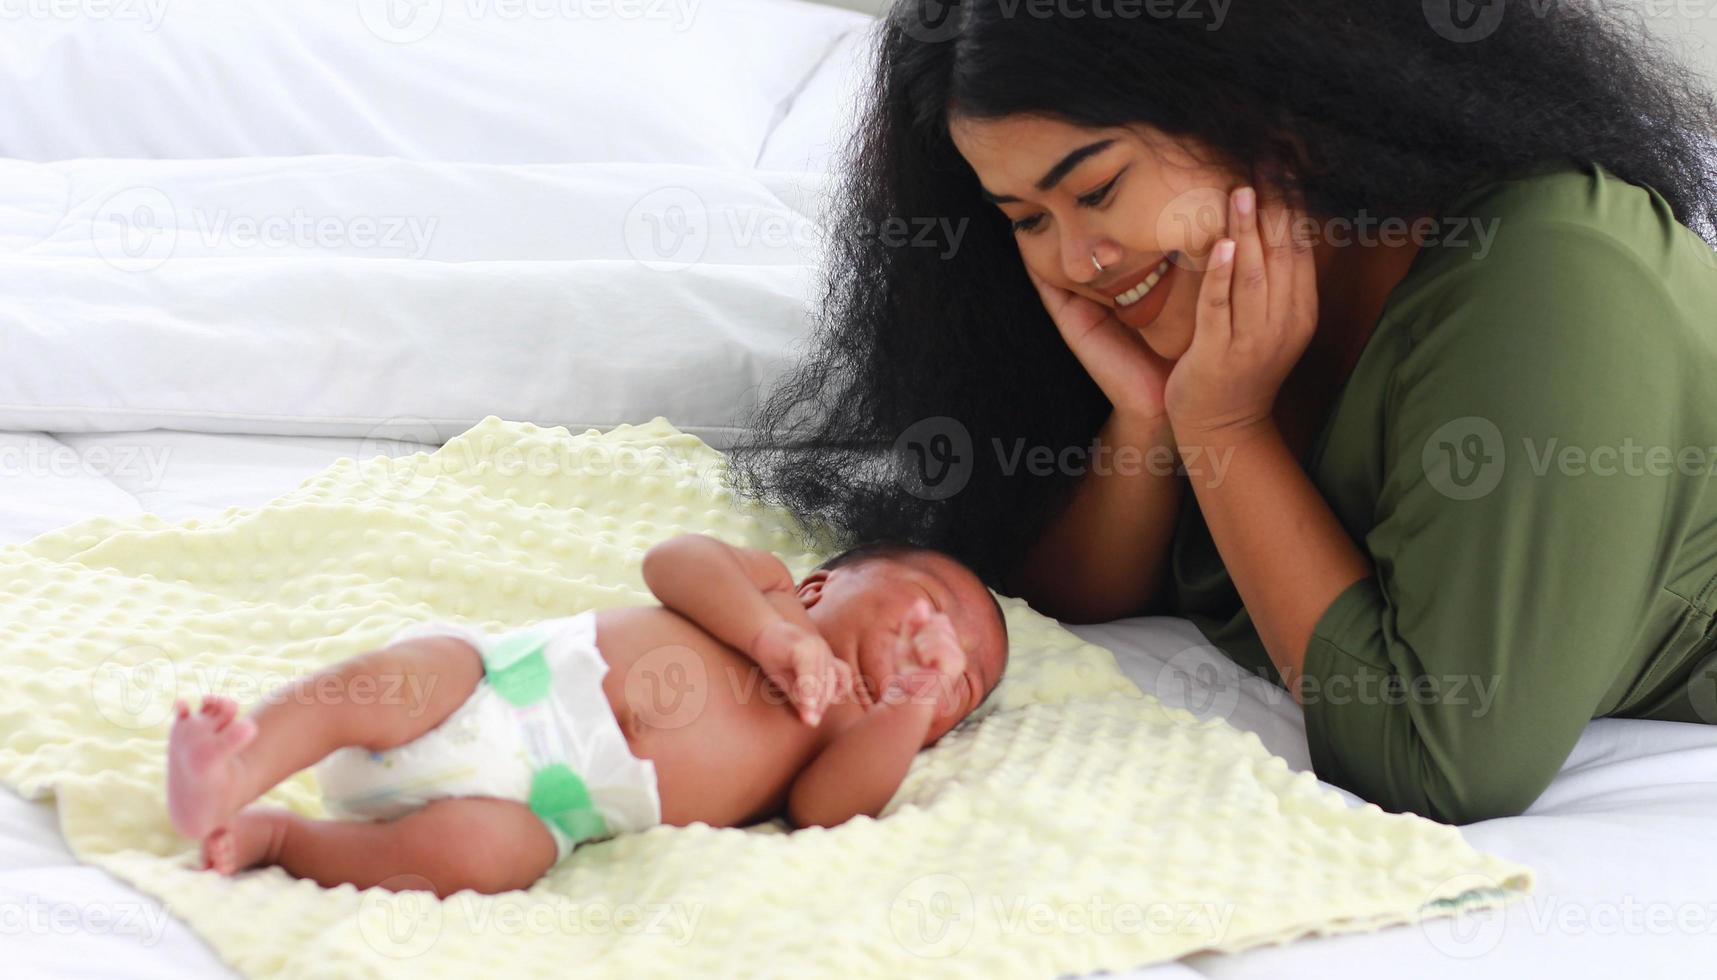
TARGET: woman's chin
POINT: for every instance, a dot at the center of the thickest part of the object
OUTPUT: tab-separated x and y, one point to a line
1165	341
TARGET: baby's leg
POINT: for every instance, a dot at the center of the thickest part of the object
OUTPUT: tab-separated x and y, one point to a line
484	844
218	762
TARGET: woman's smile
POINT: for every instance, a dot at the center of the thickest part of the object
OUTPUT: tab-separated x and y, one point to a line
1142	311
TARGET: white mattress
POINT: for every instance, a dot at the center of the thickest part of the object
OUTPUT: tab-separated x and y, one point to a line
1622	841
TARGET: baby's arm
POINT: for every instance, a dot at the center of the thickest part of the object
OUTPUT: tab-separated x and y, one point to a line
731	592
747	598
861	769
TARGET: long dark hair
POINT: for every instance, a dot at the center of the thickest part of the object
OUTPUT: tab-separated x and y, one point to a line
923	351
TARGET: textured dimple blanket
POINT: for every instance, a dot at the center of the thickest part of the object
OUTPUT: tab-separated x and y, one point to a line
1076	825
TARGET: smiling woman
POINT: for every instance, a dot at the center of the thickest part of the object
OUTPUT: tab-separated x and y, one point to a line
1323	265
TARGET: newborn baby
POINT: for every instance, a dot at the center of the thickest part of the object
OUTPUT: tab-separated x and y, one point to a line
479	761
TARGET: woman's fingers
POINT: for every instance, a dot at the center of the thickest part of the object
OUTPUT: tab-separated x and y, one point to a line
1214	323
1250	291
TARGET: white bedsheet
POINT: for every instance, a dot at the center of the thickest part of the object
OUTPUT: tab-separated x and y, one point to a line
1622	841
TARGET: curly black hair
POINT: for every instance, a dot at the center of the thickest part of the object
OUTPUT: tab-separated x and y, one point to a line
1385	107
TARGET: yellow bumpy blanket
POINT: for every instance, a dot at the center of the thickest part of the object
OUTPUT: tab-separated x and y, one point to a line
1077	825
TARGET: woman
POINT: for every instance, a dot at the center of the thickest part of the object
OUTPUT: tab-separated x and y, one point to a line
1447	485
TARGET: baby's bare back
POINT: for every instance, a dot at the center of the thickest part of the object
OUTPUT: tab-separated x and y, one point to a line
725	743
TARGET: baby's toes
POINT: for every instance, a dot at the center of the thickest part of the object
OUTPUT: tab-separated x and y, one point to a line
220	710
220	851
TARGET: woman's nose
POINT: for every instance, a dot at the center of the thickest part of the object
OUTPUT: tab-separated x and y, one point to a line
1077	259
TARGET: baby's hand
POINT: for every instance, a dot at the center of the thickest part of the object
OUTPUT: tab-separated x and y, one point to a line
800	661
932	659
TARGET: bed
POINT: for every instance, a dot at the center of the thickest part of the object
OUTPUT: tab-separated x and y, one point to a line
362	243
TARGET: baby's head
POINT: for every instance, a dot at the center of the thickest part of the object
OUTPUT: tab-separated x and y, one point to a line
860	597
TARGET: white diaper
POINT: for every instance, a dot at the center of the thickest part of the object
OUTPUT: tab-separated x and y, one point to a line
538	729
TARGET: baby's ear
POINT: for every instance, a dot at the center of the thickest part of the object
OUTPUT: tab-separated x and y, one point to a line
810	591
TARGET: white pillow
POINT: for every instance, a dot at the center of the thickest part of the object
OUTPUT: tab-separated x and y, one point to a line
503	81
383	297
823	113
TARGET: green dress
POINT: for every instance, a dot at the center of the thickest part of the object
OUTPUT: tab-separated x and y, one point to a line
1526	450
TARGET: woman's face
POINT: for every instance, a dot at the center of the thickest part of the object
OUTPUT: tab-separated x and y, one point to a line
1135	201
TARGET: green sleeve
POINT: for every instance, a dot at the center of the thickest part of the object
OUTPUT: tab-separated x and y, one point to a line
1507	584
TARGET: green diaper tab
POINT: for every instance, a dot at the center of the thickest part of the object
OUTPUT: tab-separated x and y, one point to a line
560	799
517	669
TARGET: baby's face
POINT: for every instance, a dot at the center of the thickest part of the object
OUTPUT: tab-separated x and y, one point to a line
860	609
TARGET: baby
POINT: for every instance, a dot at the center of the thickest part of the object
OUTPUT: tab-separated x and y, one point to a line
479	761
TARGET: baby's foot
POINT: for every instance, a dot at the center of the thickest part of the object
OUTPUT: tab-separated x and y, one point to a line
203	771
250	838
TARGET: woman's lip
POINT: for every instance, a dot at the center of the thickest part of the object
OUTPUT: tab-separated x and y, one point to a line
1143	312
1112	292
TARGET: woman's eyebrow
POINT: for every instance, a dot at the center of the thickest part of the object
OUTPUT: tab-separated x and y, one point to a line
1053	177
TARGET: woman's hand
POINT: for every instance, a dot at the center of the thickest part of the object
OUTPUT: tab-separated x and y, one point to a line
1117	358
1257	311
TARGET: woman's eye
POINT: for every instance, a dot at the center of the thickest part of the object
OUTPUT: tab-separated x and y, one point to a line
1095	198
1090	200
